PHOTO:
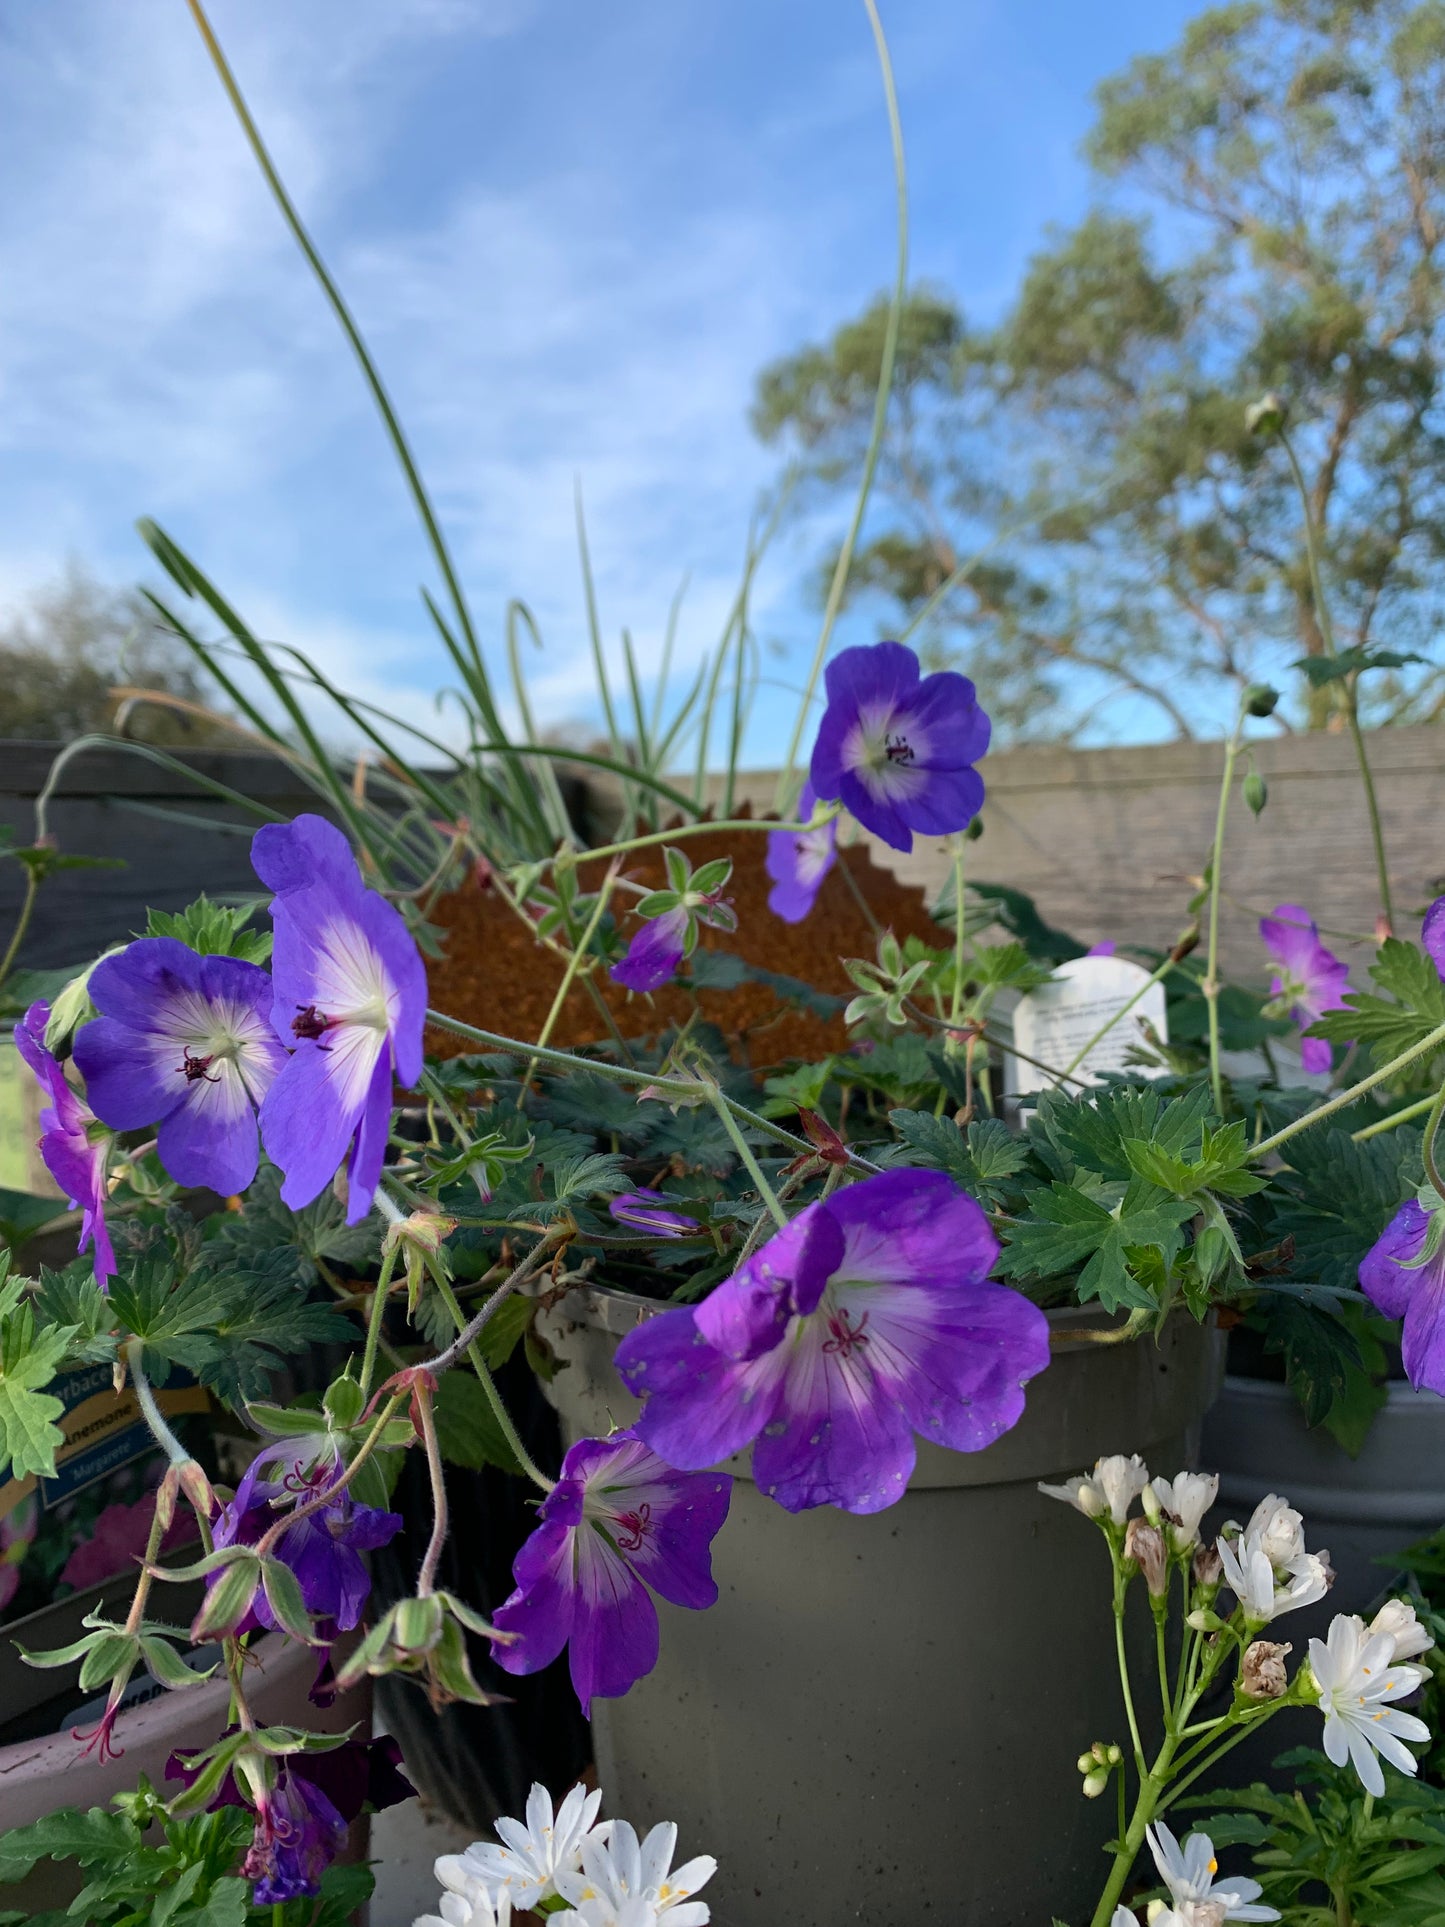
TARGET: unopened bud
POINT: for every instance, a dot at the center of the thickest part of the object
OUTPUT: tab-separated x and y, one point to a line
1153	1511
1256	793
974	830
1260	699
1268	415
1187	944
166	1498
1095	1783
1144	1544
197	1488
1262	1675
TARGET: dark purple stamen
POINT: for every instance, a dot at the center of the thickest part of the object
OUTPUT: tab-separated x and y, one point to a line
195	1067
309	1022
898	749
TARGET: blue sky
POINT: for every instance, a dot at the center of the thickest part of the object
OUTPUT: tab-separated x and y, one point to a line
572	234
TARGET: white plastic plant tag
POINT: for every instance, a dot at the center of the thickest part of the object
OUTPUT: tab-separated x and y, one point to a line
1053	1024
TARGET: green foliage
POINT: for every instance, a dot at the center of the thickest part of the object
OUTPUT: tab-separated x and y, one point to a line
1413	1006
467	1428
982	1157
212	930
1326	1853
1067	1228
30	1356
315	1235
1337	1196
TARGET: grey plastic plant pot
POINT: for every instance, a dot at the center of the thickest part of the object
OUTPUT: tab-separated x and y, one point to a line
879	1720
1363	1509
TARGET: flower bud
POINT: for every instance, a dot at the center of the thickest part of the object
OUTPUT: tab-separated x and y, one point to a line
1095	1783
1144	1544
1256	793
974	830
1268	415
1262	1675
1188	943
1153	1510
1260	699
1208	1569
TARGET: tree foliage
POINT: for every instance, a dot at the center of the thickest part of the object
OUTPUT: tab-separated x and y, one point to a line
64	655
1271	203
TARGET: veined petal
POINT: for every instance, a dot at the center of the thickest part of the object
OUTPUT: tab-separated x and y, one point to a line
701	1406
210	1137
539	1614
308	850
614	1628
311	1111
839	1438
369	1153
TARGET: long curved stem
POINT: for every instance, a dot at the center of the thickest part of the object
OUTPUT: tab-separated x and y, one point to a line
744	1151
22	923
1433	1042
880	405
466	1340
1211	985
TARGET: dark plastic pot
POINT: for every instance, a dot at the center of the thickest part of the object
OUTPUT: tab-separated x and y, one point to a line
879	1719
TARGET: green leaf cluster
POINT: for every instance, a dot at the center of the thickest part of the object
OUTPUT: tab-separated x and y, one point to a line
214	929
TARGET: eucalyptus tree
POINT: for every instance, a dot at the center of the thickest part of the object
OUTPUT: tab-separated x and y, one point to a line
1269	217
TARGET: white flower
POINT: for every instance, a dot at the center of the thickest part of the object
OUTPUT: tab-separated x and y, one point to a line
619	1870
601	1913
1257	1586
1397	1618
1278	1530
1079	1492
1112	1487
471	1907
525	1866
1188	1872
1356	1678
1186	1498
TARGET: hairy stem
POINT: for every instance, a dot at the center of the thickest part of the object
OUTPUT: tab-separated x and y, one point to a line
569	975
22	924
146	1398
1211	984
466	1341
426	1578
1433	1042
744	1151
376	1317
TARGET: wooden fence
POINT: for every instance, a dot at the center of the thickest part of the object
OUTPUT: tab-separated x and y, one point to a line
1109	841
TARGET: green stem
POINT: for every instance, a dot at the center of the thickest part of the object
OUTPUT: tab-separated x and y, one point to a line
1348	695
1123	1011
958	922
1211	985
569	976
1432	1042
375	1319
683	830
1427	1144
625	1074
744	1151
484	1377
22	923
426	1578
174	1450
1123	1658
880	404
359	348
1410	1112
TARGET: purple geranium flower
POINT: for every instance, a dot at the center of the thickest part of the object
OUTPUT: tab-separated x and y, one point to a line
1309	979
798	860
301	1825
866	1319
657	948
184	1042
646	1210
1415	1293
324	1549
76	1164
1432	934
897	748
351	989
618	1521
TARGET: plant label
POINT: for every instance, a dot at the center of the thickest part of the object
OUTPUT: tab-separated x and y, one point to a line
1062	1018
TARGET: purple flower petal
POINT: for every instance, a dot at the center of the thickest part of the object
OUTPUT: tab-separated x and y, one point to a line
1432	934
798	861
350	987
617	1517
183	1042
298	1834
1309	977
654	954
1416	1294
899	751
892	1328
306	851
77	1165
646	1210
